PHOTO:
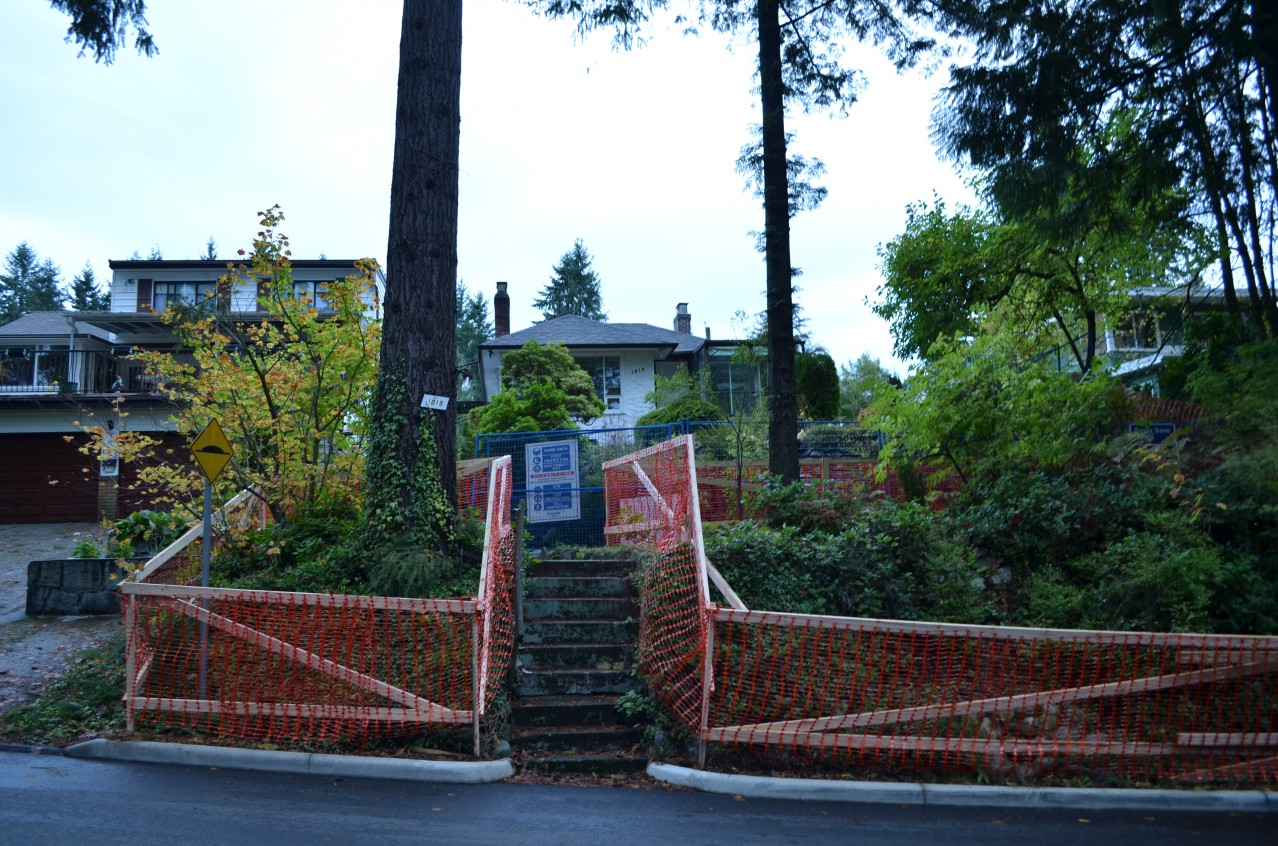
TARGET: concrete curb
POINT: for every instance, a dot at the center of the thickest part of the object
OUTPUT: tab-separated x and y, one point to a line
301	763
902	793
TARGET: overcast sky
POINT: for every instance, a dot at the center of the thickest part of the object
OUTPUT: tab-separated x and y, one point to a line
250	104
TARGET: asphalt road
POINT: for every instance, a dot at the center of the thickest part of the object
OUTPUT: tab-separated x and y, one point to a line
57	800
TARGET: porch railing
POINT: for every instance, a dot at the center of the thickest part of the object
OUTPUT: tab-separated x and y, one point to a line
32	370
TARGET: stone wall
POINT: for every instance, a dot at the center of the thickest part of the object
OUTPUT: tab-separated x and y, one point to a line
74	586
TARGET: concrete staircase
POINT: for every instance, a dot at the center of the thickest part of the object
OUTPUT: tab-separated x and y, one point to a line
576	658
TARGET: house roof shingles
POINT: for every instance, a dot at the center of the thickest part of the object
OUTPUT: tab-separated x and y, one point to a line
574	331
48	324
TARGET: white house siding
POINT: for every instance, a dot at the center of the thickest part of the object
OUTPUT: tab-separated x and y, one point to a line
124	284
636	383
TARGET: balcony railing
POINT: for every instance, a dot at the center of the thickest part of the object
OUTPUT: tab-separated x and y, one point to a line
33	370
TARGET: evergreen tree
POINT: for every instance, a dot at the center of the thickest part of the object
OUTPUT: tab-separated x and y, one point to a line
860	383
102	26
473	328
574	289
800	62
85	294
817	381
28	284
210	250
1197	80
411	464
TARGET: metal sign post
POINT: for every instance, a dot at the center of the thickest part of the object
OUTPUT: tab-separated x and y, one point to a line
212	452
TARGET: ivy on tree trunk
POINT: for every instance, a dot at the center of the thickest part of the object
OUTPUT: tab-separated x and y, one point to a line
419	312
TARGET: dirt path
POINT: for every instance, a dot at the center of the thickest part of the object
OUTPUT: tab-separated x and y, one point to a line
35	650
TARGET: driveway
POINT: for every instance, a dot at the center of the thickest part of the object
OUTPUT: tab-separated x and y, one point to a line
35	650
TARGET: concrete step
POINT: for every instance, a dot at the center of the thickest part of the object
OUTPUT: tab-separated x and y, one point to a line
587	763
579	656
581	631
561	608
583	682
565	711
540	587
588	739
580	567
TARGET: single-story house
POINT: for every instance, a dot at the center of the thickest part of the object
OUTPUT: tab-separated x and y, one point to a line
624	359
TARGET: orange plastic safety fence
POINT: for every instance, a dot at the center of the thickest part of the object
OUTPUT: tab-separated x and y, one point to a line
651	501
497	583
1023	704
723	499
1029	704
275	666
472	485
279	667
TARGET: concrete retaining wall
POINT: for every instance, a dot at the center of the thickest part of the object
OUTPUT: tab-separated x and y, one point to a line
74	586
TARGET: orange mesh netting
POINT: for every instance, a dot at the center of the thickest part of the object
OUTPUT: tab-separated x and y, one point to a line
1028	704
301	667
650	499
854	478
296	667
472	484
497	582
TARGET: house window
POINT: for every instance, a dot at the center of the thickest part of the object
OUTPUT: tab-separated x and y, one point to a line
313	293
606	371
736	384
166	294
1137	331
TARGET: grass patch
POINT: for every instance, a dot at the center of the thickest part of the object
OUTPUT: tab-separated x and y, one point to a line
84	701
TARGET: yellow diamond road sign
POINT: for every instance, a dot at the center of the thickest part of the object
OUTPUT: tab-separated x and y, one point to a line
212	450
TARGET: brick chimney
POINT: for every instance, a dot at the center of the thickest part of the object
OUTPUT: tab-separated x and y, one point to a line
501	312
683	320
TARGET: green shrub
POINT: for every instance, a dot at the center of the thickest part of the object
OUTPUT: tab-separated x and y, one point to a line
144	532
1027	517
1149	581
884	560
686	407
804	508
325	551
86	548
769	568
319	551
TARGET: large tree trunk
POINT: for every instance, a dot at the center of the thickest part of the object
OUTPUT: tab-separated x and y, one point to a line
783	420
419	313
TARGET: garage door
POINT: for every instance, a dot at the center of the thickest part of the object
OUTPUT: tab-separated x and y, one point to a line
44	479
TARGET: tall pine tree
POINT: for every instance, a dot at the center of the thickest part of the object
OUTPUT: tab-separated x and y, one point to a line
473	328
801	61
412	486
85	294
28	284
574	289
411	465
